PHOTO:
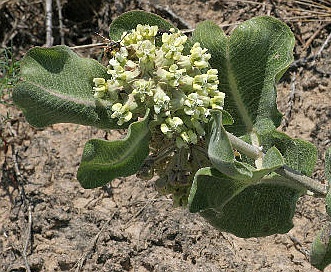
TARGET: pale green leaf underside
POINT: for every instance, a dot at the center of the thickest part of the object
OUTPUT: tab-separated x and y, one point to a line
250	62
221	155
102	161
56	87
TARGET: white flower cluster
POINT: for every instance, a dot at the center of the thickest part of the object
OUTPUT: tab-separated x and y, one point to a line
151	70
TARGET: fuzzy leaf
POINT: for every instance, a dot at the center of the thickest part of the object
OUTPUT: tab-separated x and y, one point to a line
236	197
102	161
328	165
129	20
320	255
298	154
222	157
56	87
243	208
250	62
327	171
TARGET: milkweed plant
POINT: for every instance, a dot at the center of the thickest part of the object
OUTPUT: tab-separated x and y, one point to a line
200	114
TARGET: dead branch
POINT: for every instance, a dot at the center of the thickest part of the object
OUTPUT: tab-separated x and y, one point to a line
27	239
86	46
150	201
182	24
310	40
49	37
24	199
59	8
92	245
290	103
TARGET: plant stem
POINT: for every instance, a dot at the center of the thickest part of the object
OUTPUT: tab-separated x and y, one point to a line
249	150
254	152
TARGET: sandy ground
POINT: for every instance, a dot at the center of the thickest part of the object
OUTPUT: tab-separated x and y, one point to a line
128	226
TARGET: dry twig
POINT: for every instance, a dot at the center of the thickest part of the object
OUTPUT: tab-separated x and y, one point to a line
92	245
323	46
27	239
59	8
312	38
24	199
309	10
140	211
181	23
86	46
299	247
290	103
49	37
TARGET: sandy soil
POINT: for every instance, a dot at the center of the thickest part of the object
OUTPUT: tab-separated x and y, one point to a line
128	226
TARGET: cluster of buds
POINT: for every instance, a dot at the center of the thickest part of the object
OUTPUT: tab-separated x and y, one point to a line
151	70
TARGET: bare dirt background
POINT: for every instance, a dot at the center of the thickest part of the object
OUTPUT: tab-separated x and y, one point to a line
49	223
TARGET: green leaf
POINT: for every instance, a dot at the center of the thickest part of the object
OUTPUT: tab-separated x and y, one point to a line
226	118
242	208
327	171
239	198
56	87
298	154
320	255
249	62
221	153
129	20
273	159
102	161
222	157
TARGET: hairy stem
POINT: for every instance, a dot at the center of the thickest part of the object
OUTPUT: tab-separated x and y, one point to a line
254	152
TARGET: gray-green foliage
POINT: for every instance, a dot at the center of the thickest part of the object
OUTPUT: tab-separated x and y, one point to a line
320	255
250	62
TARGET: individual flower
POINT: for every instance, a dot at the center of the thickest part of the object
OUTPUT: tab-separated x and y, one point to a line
189	137
172	125
146	54
217	102
122	113
186	83
191	104
206	83
173	45
199	57
143	88
142	32
171	76
161	100
100	88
